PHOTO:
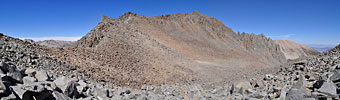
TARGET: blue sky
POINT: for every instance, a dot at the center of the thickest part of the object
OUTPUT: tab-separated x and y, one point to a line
302	21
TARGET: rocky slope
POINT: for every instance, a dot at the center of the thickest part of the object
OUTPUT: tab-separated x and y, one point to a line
27	73
293	50
133	50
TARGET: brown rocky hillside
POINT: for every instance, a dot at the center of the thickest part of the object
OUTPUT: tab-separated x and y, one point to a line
133	50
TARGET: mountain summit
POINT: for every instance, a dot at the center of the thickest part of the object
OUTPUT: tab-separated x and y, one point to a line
133	50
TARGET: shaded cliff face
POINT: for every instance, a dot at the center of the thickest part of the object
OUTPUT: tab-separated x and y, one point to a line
178	48
293	50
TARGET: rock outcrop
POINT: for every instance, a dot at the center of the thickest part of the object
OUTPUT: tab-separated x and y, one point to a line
293	50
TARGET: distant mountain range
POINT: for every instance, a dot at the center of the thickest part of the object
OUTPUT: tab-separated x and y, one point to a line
321	47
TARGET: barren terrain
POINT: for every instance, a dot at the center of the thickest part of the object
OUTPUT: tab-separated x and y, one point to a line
133	50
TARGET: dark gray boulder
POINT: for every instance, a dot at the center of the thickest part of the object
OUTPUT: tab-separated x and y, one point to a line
67	86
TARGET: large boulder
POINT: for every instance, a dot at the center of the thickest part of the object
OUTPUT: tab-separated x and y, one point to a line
18	90
298	90
335	77
295	94
16	76
329	89
67	86
5	67
12	72
28	80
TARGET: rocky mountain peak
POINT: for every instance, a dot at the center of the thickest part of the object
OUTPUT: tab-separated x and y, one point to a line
144	47
106	19
196	12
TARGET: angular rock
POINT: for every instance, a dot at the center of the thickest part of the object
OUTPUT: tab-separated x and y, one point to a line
297	91
329	89
4	67
41	75
295	94
29	80
16	76
17	89
335	76
67	86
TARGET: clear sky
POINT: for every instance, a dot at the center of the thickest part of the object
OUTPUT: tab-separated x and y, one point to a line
302	21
